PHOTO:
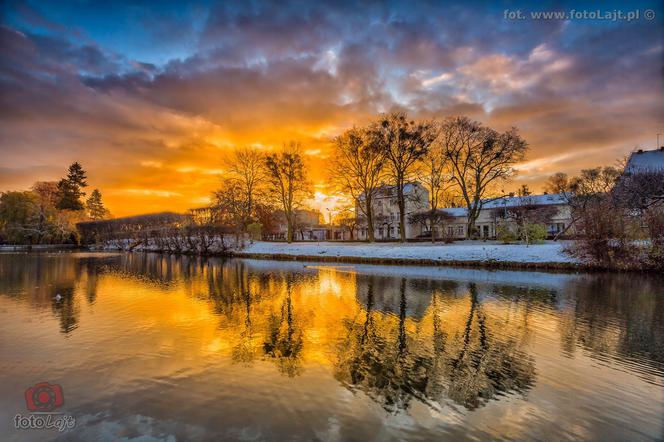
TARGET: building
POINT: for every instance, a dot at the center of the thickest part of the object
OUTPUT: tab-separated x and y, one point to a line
494	212
645	168
308	227
386	211
645	161
497	211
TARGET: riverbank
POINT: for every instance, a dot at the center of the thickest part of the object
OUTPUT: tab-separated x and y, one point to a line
549	255
38	247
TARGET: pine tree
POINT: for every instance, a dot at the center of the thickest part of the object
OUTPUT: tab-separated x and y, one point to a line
95	206
70	188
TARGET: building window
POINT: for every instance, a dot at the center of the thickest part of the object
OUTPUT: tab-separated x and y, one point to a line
459	230
450	230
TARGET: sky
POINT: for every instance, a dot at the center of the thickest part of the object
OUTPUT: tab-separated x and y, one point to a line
151	96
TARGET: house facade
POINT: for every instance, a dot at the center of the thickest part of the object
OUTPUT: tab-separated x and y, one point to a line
501	211
494	213
308	227
386	212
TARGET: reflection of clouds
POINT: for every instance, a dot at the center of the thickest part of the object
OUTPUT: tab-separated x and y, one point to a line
181	341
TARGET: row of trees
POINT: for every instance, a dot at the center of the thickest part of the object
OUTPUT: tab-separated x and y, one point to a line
258	184
455	154
618	216
49	211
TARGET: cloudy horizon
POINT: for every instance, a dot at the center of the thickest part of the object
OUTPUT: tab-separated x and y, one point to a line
150	99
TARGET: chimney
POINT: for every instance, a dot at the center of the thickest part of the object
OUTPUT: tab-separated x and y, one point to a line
661	148
511	194
639	151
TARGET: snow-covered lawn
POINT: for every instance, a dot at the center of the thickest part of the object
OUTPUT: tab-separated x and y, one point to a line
549	252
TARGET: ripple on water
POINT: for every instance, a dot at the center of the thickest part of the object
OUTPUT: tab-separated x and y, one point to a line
267	350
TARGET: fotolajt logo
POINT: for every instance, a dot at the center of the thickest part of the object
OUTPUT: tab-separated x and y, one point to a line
43	399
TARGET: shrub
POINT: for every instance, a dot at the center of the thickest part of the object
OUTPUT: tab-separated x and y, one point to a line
505	234
533	233
447	235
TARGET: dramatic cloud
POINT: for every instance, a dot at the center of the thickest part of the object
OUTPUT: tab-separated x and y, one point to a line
150	99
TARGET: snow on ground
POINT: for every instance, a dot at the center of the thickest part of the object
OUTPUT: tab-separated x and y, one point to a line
525	278
549	252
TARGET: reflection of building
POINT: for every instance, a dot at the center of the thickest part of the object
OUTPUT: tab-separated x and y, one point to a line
386	211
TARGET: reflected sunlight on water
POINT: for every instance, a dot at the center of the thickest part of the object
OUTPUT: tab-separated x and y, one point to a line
244	349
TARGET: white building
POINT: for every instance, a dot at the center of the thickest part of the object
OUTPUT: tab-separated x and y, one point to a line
386	211
645	160
496	211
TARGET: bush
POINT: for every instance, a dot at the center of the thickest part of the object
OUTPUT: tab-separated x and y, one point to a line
533	233
505	234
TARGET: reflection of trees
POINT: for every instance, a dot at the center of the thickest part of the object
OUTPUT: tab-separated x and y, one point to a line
393	362
284	339
244	350
66	309
379	363
91	282
39	278
616	315
486	366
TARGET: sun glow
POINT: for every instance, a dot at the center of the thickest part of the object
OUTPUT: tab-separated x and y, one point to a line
328	205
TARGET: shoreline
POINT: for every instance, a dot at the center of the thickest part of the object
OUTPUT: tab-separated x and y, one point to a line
468	255
422	262
474	254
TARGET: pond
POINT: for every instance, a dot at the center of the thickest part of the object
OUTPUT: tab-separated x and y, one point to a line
186	348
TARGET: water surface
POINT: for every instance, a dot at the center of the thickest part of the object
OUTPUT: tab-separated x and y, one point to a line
181	348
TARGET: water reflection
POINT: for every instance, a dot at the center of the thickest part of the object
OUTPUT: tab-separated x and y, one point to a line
402	338
440	357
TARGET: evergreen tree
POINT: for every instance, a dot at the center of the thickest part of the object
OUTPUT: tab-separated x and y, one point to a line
70	188
95	206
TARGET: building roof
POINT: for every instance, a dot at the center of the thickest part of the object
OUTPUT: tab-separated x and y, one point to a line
646	160
390	190
512	201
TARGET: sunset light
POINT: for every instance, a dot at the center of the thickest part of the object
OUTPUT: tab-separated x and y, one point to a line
260	220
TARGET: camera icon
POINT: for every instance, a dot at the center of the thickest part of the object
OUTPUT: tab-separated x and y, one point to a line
44	397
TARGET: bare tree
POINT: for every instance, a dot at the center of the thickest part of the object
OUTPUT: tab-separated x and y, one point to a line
405	143
430	219
357	168
479	157
287	180
557	183
230	206
348	219
435	175
642	190
600	219
594	182
246	168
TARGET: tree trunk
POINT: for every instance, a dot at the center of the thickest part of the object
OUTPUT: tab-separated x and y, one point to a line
289	229
370	224
473	214
402	211
471	226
